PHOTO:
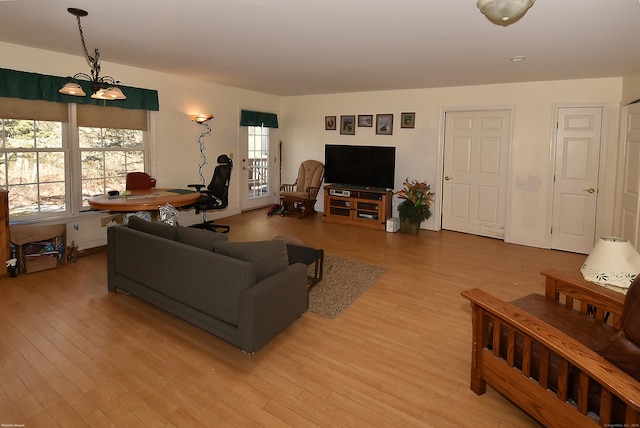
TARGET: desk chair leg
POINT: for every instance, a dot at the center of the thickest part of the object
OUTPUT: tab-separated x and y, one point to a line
210	225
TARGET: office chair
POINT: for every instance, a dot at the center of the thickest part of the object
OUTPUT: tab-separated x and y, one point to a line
215	196
139	180
300	197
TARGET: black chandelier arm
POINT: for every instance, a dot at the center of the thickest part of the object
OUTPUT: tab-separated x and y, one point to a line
78	13
101	83
79	76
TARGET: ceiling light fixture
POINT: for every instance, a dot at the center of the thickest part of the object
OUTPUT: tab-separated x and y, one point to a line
504	12
102	87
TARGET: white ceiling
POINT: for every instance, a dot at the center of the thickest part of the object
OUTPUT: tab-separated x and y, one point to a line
299	47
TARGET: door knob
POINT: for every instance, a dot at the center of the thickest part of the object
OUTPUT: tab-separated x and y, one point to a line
448	178
589	190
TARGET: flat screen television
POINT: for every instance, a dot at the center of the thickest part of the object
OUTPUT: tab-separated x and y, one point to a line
360	166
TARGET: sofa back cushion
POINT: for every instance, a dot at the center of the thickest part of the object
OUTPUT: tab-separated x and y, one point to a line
154	228
267	257
200	238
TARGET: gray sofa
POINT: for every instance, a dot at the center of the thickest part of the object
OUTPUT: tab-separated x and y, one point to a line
243	292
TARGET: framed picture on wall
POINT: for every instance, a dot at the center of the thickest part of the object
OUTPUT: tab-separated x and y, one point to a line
384	124
348	125
365	120
330	123
408	120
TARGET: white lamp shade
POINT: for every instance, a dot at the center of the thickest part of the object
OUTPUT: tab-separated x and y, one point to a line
504	10
612	262
72	88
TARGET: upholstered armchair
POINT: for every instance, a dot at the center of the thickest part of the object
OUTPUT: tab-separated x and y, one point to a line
300	197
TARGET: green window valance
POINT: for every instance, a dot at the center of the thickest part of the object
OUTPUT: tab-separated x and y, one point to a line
35	86
257	118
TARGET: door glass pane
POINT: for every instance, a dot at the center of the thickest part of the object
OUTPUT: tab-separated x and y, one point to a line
258	162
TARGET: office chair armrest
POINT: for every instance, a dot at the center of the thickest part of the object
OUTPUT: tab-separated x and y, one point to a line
210	195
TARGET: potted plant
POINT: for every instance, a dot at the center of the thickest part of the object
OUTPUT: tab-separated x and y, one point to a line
416	206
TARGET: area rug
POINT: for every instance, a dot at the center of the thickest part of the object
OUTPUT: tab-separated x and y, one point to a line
343	281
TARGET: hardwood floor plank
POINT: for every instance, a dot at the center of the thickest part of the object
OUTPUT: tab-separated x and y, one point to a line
73	354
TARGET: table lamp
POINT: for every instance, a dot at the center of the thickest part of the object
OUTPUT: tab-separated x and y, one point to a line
613	262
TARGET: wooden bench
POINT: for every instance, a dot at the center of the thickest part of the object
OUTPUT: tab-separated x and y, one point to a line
507	339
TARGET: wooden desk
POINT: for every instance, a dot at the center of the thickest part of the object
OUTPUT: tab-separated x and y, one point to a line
144	200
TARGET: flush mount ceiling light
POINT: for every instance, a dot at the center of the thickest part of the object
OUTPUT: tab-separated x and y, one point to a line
102	87
504	12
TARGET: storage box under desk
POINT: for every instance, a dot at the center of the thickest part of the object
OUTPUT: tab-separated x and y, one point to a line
30	241
38	262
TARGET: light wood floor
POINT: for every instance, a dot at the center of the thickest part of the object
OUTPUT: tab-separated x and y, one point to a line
71	354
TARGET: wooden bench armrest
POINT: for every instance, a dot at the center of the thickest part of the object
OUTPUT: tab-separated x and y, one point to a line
486	307
584	296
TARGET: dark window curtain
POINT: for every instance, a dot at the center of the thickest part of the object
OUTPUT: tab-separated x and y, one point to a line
34	86
257	118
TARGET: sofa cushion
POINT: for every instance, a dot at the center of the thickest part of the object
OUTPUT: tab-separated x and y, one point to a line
267	257
154	228
623	349
623	353
201	238
631	312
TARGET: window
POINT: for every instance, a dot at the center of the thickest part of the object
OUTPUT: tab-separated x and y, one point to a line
32	166
106	156
39	158
258	156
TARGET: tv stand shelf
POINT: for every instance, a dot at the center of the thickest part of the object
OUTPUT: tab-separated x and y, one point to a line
357	206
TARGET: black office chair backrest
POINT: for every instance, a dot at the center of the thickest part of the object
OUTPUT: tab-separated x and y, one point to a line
219	185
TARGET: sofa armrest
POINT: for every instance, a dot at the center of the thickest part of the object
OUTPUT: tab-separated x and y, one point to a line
587	297
533	395
272	305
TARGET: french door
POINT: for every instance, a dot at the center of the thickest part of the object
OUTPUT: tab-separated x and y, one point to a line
257	167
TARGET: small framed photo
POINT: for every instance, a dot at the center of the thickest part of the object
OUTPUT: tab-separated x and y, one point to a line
330	123
384	124
348	125
365	120
408	120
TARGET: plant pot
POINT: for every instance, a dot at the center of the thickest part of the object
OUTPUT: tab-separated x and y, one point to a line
408	226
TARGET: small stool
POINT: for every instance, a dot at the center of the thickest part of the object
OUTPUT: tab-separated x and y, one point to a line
306	255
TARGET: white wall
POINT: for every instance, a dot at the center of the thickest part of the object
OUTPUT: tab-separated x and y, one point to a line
534	107
631	86
176	157
176	154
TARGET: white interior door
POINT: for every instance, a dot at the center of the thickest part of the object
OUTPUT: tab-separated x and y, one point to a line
631	177
575	193
476	161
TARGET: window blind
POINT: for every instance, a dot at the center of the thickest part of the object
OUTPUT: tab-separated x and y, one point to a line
111	117
16	108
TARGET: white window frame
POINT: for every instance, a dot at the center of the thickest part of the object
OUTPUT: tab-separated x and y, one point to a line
73	167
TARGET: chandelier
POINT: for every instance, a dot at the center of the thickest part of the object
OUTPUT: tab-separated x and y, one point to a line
504	11
102	87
